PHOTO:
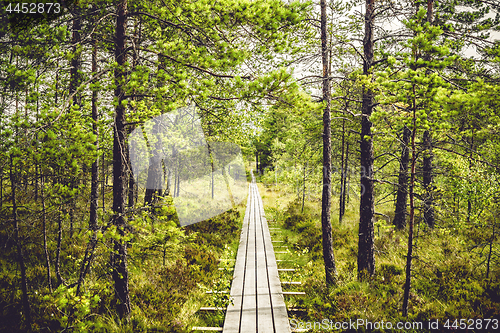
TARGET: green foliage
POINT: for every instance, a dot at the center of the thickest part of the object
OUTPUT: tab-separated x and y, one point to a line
446	282
66	310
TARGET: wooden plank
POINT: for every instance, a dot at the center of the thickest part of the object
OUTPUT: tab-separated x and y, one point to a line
258	303
280	315
249	307
264	310
233	312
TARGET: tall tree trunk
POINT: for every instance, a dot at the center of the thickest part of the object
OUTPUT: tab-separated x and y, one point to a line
326	225
20	256
76	61
346	172
256	160
407	286
427	166
366	258
488	261
342	174
343	183
74	82
402	193
153	183
44	233
303	188
119	255
60	279
94	183
427	180
212	168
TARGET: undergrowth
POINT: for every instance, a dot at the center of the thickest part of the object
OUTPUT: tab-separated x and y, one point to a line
448	282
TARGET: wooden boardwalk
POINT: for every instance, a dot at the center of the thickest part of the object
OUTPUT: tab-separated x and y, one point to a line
258	304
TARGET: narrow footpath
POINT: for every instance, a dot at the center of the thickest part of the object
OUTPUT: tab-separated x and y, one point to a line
258	304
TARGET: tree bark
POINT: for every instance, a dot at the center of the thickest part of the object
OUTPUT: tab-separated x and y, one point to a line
490	250
407	286
153	183
402	193
76	61
427	166
366	258
60	279
44	233
427	180
94	183
256	160
342	174
303	188
326	225
119	255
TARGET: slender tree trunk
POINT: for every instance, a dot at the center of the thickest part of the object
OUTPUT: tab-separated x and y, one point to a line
76	61
402	193
427	165
132	186
74	82
212	166
366	257
169	182
304	188
256	160
119	255
490	250
342	174
153	183
175	184
60	279
178	178
20	256
94	183
427	180
228	186
44	232
326	225
346	182
407	287
94	186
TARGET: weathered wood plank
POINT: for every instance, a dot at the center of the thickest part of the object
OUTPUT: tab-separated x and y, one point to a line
233	312
264	313
249	308
256	290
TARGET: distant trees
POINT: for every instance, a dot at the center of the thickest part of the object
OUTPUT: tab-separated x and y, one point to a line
405	95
